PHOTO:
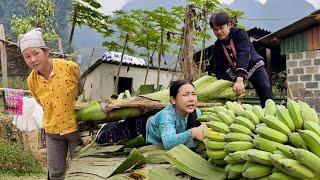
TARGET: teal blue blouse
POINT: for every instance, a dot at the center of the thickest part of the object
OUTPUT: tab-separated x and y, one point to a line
169	128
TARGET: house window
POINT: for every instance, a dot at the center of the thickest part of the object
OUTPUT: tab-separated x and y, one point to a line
124	84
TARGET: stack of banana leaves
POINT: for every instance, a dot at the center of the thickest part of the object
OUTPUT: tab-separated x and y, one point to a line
210	91
277	142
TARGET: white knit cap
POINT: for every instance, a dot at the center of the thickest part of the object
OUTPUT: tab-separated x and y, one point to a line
32	38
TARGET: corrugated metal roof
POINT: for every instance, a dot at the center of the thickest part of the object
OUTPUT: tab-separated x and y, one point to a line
273	39
125	64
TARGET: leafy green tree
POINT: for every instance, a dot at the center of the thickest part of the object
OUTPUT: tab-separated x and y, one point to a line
39	14
85	12
164	23
127	27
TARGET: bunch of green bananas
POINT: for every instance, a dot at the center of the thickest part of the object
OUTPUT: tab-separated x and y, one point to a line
275	142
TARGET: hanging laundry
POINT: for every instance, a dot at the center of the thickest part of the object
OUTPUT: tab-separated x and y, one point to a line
31	119
13	101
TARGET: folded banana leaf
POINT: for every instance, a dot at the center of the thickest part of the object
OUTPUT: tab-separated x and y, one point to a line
192	164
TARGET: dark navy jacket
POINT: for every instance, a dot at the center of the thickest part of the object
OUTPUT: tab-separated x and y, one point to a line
247	57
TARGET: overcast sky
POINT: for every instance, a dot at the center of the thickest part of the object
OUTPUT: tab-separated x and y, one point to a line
109	6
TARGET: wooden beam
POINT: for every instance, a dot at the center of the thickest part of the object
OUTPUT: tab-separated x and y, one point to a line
4	66
268	59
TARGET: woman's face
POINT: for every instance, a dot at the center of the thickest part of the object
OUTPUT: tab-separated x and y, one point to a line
222	32
36	58
185	100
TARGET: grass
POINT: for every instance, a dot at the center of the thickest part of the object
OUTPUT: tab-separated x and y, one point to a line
16	161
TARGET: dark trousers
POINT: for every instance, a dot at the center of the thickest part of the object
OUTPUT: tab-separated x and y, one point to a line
57	149
260	82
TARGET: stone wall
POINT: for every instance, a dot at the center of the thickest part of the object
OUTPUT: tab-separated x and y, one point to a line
303	74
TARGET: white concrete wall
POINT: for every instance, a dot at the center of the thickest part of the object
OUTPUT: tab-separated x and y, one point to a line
100	82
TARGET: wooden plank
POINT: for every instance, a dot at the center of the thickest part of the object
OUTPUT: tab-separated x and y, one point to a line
4	66
318	36
309	39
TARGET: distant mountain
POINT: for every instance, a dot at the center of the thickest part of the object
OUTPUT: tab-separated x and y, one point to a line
272	9
85	39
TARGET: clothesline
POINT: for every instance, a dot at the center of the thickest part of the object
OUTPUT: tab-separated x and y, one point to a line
23	90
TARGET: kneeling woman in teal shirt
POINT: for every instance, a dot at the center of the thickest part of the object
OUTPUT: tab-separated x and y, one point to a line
176	123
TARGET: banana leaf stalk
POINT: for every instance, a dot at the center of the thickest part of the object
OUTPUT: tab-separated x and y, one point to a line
115	110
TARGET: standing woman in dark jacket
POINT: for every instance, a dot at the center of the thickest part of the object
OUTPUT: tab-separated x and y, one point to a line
235	59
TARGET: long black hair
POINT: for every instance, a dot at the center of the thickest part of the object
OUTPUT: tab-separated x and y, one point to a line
174	89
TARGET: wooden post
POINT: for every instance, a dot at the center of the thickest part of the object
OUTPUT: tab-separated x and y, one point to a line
120	64
268	58
59	43
189	65
4	67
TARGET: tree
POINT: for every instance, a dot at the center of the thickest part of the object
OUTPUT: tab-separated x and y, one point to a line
165	24
146	36
39	14
125	34
85	12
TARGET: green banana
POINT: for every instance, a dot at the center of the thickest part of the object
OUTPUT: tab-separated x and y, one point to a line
295	113
231	160
251	116
281	176
225	118
245	122
308	159
245	156
240	129
271	134
247	107
296	169
297	141
257	171
312	126
261	124
312	141
274	158
265	144
236	168
225	110
248	164
270	107
258	111
231	136
216	154
236	156
238	146
208	113
308	113
218	126
219	162
286	150
284	116
261	157
214	145
274	123
214	136
229	105
208	117
207	109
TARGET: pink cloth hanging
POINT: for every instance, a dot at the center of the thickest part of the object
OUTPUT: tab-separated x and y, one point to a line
13	101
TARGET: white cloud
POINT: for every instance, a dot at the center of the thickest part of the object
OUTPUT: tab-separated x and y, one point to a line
226	1
315	3
231	1
109	6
